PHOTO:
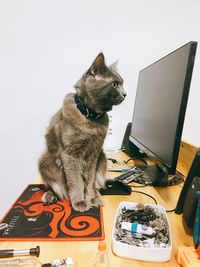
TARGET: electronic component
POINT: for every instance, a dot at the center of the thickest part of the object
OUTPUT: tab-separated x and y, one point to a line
120	168
129	175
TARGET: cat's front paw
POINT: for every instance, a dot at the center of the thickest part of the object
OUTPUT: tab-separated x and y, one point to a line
81	205
97	201
49	198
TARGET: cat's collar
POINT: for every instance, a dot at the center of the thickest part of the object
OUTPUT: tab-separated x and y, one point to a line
87	112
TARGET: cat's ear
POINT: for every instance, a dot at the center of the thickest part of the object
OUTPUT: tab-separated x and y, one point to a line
113	66
98	66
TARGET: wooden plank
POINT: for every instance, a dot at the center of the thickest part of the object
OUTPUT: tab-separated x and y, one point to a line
186	155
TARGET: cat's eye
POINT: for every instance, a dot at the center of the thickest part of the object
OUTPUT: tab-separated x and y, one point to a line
115	84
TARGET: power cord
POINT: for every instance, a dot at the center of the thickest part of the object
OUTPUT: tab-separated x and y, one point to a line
135	191
170	210
137	158
140	192
114	161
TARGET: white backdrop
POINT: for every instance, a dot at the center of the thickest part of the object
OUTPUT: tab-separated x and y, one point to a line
45	45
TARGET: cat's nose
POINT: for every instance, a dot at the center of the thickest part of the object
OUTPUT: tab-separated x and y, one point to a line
123	92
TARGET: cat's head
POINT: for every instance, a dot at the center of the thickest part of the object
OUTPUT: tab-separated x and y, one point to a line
101	86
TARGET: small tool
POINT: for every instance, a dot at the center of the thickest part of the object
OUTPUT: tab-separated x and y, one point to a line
68	262
7	253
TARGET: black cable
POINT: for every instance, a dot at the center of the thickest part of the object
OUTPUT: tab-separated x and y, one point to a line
128	160
135	191
170	210
113	160
137	158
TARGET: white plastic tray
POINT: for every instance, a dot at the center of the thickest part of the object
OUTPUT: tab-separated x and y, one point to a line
154	254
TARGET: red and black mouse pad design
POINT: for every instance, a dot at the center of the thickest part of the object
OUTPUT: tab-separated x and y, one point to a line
29	219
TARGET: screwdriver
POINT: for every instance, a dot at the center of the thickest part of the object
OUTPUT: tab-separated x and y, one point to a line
8	253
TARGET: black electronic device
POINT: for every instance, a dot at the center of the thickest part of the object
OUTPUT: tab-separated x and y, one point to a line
194	171
128	147
159	110
125	147
191	201
115	187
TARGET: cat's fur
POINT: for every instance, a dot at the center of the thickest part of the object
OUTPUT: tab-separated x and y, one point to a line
74	164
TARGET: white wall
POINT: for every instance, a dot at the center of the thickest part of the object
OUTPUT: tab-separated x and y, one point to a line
45	45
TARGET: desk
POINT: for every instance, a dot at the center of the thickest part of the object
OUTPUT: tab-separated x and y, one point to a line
84	253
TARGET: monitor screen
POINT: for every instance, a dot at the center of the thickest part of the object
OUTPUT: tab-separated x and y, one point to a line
160	105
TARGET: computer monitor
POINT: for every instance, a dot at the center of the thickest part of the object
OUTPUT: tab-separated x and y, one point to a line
159	111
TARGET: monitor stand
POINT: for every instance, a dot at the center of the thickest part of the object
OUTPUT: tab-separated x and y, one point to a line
155	176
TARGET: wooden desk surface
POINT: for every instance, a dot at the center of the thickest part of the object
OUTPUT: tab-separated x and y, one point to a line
84	252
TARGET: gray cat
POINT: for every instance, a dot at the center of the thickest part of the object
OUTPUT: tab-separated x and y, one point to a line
74	164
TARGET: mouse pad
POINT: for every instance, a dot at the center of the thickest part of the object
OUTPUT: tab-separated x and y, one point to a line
29	219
